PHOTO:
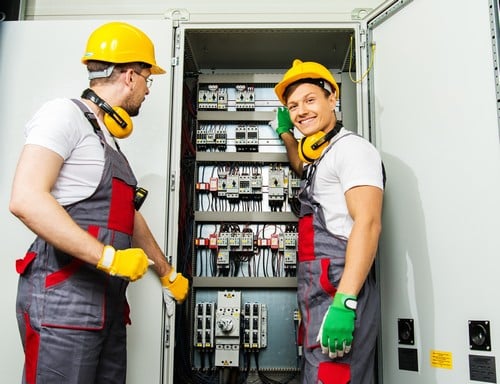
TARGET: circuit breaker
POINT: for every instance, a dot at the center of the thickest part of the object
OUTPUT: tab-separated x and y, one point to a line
227	329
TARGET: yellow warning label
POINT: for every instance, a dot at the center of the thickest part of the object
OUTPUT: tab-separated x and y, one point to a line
441	359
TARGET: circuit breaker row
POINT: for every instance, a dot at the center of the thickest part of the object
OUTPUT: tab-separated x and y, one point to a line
225	243
235	186
225	326
214	97
215	138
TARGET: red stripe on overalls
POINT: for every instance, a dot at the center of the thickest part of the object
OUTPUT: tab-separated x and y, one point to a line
63	274
32	343
22	264
68	270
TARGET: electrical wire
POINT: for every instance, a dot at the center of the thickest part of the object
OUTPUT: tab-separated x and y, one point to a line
372	56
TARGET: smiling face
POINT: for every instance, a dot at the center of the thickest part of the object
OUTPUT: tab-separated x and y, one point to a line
310	109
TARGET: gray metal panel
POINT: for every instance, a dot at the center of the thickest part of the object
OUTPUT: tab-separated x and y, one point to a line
246	217
30	77
251	157
435	116
281	351
245	282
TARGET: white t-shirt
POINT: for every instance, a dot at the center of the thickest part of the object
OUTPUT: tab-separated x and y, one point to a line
60	126
353	161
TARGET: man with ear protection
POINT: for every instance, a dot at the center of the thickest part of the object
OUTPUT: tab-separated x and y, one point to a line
340	221
76	191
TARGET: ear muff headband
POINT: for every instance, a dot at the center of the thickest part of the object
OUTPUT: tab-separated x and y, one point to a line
116	119
311	147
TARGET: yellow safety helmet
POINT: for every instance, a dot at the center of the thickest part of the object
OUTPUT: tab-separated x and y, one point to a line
304	70
119	43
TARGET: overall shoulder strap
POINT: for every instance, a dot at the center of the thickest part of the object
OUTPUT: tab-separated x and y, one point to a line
92	120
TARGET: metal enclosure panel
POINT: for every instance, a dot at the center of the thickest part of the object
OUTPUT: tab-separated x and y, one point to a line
256	10
435	122
39	61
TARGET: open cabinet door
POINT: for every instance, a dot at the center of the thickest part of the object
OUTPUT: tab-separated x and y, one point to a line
433	112
40	60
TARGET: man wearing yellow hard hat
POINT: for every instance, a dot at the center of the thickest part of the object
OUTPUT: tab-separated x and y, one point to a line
75	190
340	221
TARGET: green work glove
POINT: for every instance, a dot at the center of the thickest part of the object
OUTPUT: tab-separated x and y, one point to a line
174	286
282	123
130	264
337	328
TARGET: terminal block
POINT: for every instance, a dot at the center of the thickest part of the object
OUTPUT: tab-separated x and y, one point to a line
222	99
204	320
207	98
252	144
245	189
293	185
247	138
247	240
254	326
240	138
222	184
220	138
227	329
210	138
276	187
256	185
235	241
201	138
290	245
223	251
245	98
233	187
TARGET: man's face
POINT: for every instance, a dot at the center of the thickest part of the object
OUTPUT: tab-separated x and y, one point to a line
310	110
140	90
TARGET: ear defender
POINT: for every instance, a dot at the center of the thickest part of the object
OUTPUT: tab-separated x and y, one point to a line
311	147
116	119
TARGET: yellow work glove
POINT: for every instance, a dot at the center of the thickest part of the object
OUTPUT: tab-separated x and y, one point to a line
174	286
130	264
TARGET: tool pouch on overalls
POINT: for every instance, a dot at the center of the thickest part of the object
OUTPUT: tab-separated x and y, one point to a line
334	373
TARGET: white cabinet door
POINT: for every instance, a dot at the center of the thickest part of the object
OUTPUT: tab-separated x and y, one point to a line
40	60
434	119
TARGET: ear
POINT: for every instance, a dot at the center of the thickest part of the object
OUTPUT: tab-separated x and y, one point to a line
129	77
332	100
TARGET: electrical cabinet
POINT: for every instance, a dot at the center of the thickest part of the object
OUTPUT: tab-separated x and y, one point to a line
245	231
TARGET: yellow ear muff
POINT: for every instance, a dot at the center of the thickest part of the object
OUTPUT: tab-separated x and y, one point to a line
118	122
311	147
116	119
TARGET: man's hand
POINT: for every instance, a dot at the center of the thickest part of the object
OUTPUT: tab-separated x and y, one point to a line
282	123
130	264
337	328
175	286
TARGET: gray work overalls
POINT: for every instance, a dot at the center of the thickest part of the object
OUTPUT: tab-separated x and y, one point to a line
321	265
71	315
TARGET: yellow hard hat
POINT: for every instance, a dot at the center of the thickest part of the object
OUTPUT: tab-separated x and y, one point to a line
119	43
304	70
